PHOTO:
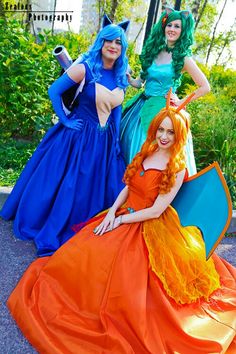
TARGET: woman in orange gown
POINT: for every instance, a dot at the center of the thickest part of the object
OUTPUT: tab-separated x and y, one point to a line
136	281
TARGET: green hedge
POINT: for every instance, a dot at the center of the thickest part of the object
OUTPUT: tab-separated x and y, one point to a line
214	124
27	70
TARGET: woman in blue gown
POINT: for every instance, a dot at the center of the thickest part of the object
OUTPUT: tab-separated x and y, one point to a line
77	169
165	55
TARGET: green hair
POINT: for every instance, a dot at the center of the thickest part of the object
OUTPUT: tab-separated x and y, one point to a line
156	42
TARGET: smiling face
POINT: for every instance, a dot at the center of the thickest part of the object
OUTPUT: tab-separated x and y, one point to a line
165	135
173	31
111	50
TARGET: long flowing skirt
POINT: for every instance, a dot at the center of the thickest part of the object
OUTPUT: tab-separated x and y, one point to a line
100	294
71	177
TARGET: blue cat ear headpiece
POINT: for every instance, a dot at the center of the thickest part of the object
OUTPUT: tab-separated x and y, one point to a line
107	21
124	25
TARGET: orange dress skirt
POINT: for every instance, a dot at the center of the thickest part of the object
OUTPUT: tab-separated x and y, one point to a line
142	288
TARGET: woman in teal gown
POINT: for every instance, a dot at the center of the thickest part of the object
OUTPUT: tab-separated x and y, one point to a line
165	55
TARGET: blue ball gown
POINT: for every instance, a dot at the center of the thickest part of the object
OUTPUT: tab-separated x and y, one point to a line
73	174
141	109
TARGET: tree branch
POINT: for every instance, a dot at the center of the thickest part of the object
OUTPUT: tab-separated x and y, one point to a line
201	13
214	31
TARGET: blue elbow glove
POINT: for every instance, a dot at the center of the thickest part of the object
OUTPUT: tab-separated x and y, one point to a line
55	92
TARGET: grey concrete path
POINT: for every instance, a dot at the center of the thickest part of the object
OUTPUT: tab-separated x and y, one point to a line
15	256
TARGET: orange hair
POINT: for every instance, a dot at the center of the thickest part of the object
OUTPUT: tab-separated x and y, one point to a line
176	162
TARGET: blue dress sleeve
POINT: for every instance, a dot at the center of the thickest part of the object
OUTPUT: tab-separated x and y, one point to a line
55	92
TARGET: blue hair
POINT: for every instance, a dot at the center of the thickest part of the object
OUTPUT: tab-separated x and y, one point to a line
94	55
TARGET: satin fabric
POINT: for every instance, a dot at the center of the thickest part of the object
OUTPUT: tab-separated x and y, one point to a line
142	108
100	294
160	79
72	175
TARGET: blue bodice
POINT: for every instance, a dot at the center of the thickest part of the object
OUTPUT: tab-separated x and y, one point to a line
159	80
98	100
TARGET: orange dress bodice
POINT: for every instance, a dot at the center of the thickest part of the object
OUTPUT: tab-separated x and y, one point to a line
144	188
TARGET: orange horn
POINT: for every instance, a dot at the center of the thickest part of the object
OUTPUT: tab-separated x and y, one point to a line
185	102
168	99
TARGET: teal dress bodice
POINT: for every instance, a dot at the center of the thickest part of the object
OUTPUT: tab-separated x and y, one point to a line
159	80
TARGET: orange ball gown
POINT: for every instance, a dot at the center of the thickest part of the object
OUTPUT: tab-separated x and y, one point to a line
139	289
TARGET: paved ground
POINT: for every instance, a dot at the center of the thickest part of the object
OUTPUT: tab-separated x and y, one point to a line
15	256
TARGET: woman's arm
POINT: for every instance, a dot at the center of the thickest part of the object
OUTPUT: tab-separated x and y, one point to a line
108	222
121	199
159	206
198	77
137	83
63	83
76	72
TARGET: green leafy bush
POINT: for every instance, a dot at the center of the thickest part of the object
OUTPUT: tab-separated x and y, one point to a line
13	156
27	70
